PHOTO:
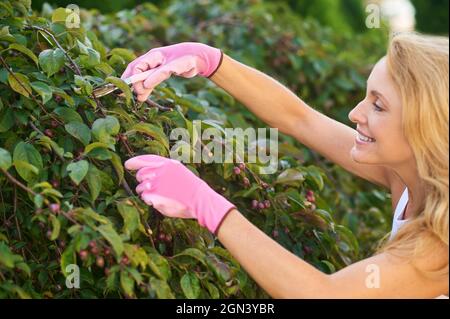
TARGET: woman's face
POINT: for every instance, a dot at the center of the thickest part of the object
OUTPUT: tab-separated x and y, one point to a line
379	116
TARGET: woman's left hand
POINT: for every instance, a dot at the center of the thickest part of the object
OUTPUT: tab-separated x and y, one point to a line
175	191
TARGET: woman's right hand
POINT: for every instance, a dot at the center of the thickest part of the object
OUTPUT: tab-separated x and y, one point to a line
186	59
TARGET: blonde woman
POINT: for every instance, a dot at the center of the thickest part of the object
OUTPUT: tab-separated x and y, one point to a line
400	143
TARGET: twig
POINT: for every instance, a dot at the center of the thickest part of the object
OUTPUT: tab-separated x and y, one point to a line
72	62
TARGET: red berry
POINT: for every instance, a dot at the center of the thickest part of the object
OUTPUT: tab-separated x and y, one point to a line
307	250
125	260
55	183
100	261
84	254
107	251
49	234
266	203
54	124
49	132
264	185
275	233
261	205
246	182
242	166
310	196
236	170
162	236
254	204
95	250
92	244
55	207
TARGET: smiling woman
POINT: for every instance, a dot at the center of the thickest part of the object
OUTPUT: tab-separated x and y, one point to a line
401	140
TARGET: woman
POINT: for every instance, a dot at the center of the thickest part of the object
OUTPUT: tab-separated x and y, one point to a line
400	142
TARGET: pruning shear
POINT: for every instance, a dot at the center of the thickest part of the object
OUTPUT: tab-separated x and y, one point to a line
108	88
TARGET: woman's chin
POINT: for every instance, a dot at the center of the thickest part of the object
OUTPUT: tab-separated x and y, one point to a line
359	156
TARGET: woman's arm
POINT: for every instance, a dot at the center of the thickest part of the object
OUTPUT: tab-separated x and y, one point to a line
279	107
284	275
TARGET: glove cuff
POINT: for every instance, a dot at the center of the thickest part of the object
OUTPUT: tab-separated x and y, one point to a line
211	208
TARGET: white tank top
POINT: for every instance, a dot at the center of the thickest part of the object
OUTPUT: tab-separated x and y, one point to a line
398	215
399	221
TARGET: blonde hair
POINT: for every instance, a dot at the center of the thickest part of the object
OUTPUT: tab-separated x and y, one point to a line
419	66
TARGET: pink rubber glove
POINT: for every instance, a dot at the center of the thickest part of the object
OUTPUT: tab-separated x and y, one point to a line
186	59
175	191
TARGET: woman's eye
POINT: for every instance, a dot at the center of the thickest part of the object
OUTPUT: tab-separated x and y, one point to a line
377	108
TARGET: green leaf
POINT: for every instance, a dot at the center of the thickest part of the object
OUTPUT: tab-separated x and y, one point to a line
78	170
56	227
68	115
103	128
127	282
43	90
24	50
118	166
161	288
290	176
51	61
6	119
131	217
159	265
5	159
25	157
20	83
80	131
89	57
112	237
38	200
121	85
190	285
67	258
6	256
153	131
60	15
5	35
194	253
94	181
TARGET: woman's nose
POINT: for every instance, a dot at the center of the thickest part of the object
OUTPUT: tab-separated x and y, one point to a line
357	114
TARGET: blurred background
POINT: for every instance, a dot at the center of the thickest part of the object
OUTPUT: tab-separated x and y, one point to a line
429	16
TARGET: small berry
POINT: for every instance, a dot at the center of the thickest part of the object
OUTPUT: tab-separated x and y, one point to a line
84	254
95	250
49	234
55	207
267	203
92	244
62	244
307	250
286	230
246	182
310	196
107	271
254	204
107	251
100	261
55	183
125	260
264	185
275	233
54	124
236	170
241	166
49	132
168	238
162	236
261	205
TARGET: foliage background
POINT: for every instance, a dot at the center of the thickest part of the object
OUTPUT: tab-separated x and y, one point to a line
60	145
